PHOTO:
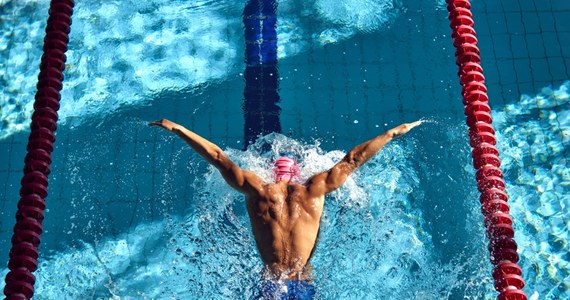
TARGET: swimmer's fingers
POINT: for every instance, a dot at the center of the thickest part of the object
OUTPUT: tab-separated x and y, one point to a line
404	128
164	123
415	124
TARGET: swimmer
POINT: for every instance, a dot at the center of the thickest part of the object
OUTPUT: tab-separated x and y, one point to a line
285	214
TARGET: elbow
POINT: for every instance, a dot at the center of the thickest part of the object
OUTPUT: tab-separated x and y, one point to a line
391	133
217	156
354	159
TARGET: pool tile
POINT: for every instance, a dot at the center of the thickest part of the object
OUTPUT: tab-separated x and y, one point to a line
506	71
561	5
515	23
558	68
561	19
519	46
564	38
502	46
523	71
541	69
497	23
536	48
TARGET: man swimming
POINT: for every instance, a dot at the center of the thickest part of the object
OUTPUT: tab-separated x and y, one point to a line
285	215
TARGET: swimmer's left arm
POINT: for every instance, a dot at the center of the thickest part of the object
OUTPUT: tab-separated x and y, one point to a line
328	181
241	180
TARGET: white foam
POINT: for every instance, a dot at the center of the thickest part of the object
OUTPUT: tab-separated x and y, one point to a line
369	244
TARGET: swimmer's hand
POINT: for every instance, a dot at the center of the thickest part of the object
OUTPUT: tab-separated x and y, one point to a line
404	128
164	123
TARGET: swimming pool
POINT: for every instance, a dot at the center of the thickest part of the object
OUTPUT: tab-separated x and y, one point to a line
132	215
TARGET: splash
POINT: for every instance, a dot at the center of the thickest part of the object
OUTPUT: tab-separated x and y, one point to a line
372	242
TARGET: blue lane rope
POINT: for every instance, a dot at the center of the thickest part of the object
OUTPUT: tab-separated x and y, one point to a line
261	96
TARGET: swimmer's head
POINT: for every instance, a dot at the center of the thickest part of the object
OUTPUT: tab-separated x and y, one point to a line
285	168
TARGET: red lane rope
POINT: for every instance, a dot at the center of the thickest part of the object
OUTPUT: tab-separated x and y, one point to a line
502	246
26	238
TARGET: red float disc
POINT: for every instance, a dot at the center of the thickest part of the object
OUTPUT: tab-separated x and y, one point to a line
498	218
44	101
462	29
461	20
21	275
476	106
40	143
491	182
476	138
488	170
29	224
493	194
471	94
24	249
30	212
465	38
468	67
54	44
32	201
512	295
55	25
23	261
12	289
515	282
37	154
500	244
53	58
506	268
48	92
49	81
480	126
59	17
489	207
479	116
458	3
42	133
501	229
26	236
472	76
33	188
51	72
459	11
483	148
504	255
486	159
43	122
468	57
45	112
34	176
466	48
37	165
57	35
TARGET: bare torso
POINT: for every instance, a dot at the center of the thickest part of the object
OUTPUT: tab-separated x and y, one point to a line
285	220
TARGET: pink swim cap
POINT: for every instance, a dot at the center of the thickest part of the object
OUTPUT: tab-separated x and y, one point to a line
285	169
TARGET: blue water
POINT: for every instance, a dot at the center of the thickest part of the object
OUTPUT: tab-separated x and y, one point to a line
134	214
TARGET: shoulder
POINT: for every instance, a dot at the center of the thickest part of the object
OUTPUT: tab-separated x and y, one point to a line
255	183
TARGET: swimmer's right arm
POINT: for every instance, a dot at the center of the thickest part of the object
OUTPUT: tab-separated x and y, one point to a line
332	179
241	180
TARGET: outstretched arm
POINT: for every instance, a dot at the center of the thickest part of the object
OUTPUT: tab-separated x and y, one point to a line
241	180
332	179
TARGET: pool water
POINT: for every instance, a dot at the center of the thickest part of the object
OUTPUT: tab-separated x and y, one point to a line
134	214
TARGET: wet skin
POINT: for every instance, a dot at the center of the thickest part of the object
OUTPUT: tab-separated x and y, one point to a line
285	216
285	220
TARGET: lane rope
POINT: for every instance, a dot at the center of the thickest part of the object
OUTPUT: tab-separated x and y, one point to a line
29	216
507	274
